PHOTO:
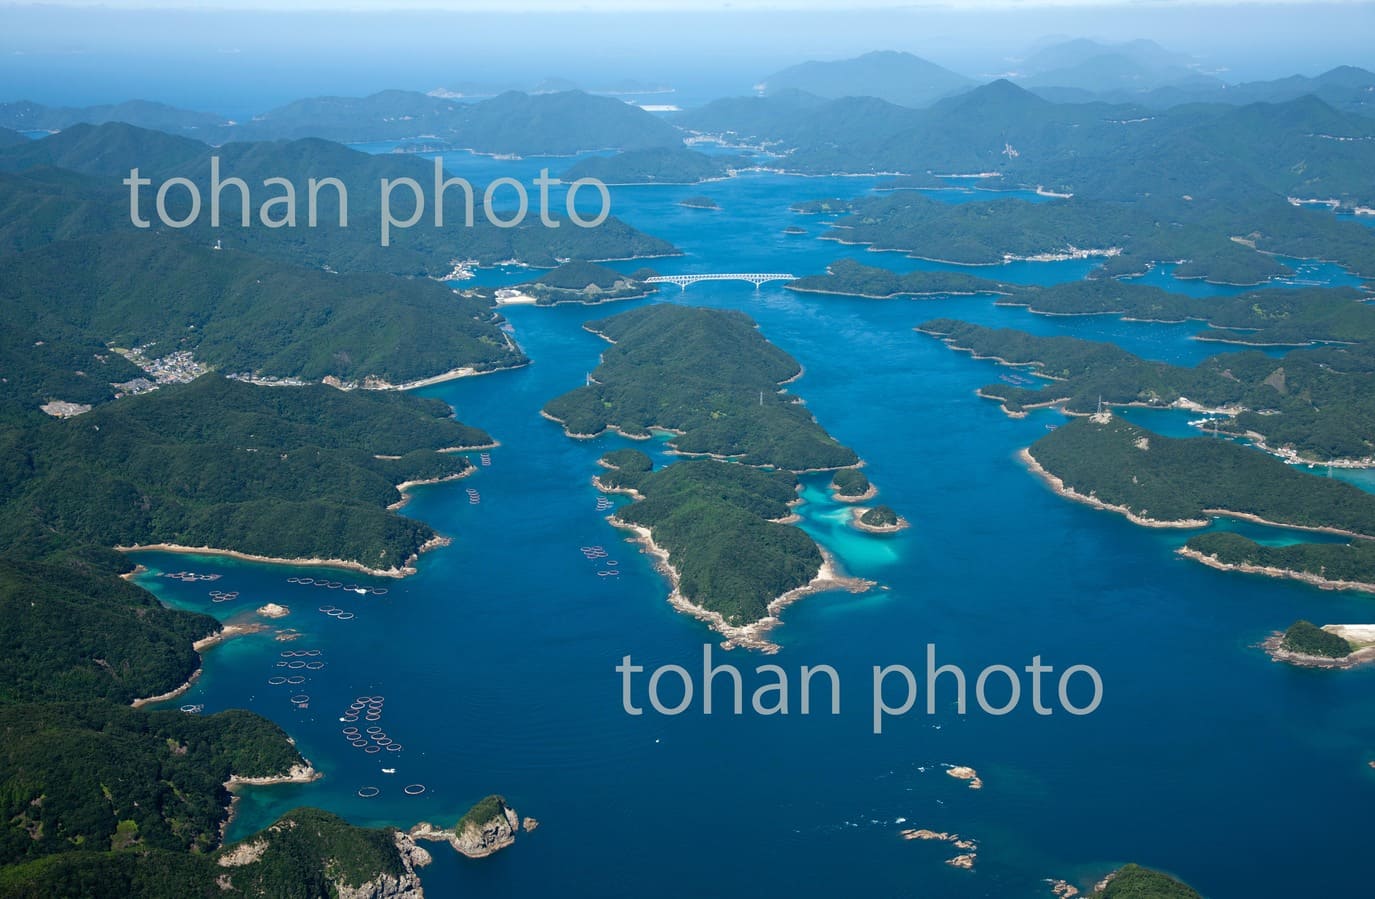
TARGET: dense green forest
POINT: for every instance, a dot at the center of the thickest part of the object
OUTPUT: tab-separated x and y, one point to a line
1321	402
1352	562
856	279
235	311
1191	152
706	373
1172	479
545	124
1133	234
96	776
586	282
283	472
659	165
69	630
850	482
1293	316
1307	638
880	517
483	810
306	854
716	521
43	205
1136	882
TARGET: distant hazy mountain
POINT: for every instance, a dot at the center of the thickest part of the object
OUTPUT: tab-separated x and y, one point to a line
521	124
515	123
10	138
1347	88
40	203
1067	54
23	115
890	75
1086	65
475	90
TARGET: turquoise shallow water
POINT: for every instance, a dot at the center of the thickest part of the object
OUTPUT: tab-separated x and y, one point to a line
496	660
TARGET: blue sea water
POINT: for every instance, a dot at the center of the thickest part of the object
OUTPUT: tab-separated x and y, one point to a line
496	659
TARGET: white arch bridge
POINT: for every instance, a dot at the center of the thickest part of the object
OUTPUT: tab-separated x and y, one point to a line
755	278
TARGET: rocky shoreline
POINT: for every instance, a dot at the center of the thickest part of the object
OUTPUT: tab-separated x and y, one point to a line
1059	486
345	564
755	634
1274	647
1306	577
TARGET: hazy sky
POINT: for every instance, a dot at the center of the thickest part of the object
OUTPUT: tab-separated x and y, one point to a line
638	5
234	57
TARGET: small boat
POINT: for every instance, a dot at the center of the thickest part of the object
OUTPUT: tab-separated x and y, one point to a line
388	770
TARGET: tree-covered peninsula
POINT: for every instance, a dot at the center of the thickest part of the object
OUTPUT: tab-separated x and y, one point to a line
707	375
1315	404
1349	566
1165	480
719	524
1126	235
292	472
232	310
710	378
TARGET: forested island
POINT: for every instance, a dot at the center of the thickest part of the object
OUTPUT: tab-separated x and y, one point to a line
1307	638
707	375
1314	405
851	485
1136	882
719	524
878	520
845	276
658	165
588	283
698	202
1167	481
